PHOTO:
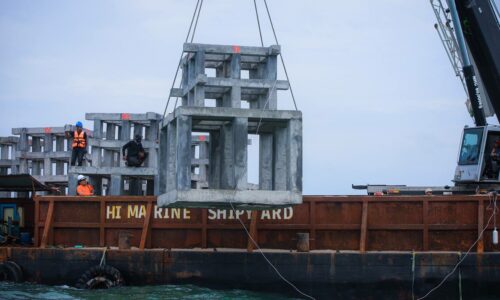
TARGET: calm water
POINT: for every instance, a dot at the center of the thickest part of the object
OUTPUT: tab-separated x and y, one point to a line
37	291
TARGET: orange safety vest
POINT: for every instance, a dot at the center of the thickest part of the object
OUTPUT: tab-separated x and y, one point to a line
79	140
85	190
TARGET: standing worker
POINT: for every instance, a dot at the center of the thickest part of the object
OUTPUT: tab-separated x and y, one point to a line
84	188
133	152
79	144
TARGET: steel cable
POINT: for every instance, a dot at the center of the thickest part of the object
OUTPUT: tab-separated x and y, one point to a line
281	55
258	22
180	59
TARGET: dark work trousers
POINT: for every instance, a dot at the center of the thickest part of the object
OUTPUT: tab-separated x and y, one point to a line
135	161
77	153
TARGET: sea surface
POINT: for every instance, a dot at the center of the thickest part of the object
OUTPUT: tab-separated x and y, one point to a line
37	291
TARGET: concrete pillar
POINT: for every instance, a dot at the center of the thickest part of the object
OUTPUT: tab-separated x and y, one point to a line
203	151
266	161
171	154
115	185
280	159
72	183
235	98
199	89
215	157
36	146
59	147
294	155
234	139
108	159
270	100
47	148
23	146
183	166
125	137
161	181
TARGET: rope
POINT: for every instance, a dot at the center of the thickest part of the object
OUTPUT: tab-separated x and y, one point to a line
460	278
413	275
103	258
196	23
467	253
258	22
264	107
281	55
192	38
265	257
180	59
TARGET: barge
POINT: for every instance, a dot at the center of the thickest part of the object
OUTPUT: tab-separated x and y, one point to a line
360	247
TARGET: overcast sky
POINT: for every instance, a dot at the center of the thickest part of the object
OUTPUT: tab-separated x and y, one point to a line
379	99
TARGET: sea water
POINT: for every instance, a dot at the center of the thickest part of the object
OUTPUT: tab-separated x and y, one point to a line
37	291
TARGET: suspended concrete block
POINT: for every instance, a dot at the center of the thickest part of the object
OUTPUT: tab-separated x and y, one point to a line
280	157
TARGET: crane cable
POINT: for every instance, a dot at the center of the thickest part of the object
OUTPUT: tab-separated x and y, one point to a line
196	10
281	55
258	22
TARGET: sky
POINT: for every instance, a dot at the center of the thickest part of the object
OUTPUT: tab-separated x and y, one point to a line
379	98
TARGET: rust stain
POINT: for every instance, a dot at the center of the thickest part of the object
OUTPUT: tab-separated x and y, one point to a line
187	275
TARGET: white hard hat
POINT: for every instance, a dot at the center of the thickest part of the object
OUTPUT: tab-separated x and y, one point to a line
81	177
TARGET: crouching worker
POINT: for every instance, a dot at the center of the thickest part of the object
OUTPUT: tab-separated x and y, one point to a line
133	152
84	188
79	145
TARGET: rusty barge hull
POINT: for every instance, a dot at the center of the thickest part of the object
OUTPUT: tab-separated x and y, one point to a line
362	223
323	274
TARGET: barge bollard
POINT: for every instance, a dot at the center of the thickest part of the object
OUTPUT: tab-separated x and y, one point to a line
124	240
303	241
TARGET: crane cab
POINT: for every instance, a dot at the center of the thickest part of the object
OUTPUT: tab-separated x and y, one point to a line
476	164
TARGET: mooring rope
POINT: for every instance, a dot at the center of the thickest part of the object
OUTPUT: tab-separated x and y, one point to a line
103	258
494	195
265	257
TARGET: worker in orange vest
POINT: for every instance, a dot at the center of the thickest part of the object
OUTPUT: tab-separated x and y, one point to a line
84	188
79	144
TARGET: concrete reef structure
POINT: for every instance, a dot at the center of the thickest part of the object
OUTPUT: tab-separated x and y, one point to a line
228	125
9	163
108	172
45	152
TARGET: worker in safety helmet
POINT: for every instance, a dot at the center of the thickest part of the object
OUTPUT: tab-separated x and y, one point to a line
84	188
133	152
79	144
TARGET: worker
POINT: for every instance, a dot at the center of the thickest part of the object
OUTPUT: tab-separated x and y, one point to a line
79	145
493	164
84	188
133	152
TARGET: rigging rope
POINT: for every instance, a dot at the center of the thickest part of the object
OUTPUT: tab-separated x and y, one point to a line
265	257
281	55
494	195
258	22
180	59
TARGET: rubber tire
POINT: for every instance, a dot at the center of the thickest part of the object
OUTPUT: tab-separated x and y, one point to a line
10	271
100	277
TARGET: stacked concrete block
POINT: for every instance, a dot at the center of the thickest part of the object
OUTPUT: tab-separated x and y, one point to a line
228	126
45	153
9	164
108	172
